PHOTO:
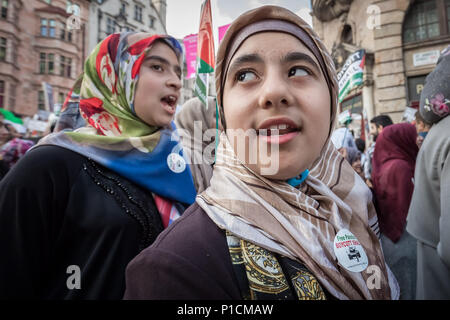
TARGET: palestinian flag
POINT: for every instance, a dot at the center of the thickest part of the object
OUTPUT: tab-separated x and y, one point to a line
205	53
352	73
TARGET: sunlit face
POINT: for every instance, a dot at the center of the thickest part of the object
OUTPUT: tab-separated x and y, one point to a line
158	86
373	130
274	81
421	127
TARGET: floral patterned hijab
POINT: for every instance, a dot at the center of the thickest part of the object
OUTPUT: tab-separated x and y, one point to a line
435	97
114	135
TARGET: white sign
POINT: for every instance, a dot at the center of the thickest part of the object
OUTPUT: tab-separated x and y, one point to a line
37	125
349	251
409	115
343	117
424	58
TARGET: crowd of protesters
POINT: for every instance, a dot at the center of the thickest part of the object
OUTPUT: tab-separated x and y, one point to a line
109	190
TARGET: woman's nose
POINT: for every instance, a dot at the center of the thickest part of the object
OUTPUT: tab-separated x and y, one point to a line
175	82
274	93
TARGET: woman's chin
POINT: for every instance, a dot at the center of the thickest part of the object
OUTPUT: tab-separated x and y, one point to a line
279	173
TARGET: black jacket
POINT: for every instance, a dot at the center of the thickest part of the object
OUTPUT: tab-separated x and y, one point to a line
69	227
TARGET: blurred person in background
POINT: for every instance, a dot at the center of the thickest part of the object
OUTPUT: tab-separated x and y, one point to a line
429	213
377	124
4	138
422	128
5	135
361	146
343	141
70	117
15	149
393	162
196	120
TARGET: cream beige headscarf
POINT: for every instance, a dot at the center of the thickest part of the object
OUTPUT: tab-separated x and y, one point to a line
196	125
298	223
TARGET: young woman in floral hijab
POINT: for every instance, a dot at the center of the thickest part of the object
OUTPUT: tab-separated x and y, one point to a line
79	206
283	234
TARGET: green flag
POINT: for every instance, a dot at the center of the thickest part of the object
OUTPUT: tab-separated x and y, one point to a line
205	54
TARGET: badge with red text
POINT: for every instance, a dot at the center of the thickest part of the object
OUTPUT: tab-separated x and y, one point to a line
349	252
176	163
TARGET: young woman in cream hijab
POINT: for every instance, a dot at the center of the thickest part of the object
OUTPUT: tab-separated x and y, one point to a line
303	231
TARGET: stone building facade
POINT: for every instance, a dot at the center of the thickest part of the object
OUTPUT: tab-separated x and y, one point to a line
110	16
49	40
36	46
402	40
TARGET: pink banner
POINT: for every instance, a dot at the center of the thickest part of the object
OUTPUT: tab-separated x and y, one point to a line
190	48
222	31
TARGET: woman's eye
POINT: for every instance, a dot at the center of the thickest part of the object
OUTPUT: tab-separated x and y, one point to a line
298	71
245	76
156	67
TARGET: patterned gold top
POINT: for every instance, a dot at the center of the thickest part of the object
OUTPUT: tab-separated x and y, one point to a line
265	275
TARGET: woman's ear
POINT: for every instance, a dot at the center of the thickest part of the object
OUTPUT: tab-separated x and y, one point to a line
221	119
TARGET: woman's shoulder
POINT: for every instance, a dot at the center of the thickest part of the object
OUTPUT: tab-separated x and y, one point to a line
53	155
188	260
44	163
194	232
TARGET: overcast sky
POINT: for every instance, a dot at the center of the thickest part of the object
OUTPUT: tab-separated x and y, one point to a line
183	16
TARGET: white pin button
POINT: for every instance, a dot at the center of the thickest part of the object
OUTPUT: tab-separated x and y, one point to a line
349	251
176	163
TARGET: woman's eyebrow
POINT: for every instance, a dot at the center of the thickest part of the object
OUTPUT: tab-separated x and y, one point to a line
300	56
166	62
246	58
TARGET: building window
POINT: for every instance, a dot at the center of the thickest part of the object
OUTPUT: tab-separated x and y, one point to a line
44	27
447	2
51	63
137	13
347	34
123	9
48	28
46	63
41	100
2	93
73	8
12	96
69	68
4	12
424	20
62	66
14	52
110	26
42	62
63	31
152	22
51	28
61	98
3	45
66	35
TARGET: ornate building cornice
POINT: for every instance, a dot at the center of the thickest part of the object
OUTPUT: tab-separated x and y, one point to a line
327	10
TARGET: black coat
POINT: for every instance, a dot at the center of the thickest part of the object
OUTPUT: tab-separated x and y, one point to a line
69	227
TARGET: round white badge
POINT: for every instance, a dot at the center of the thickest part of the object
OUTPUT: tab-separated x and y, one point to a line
176	162
349	251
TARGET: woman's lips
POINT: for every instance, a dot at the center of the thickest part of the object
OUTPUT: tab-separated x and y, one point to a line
279	139
168	107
